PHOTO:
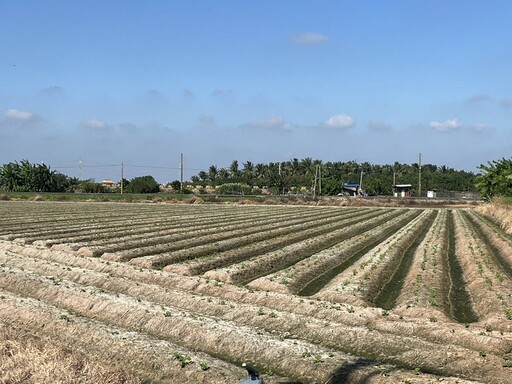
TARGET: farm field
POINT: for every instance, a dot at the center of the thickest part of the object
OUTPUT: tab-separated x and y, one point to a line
177	293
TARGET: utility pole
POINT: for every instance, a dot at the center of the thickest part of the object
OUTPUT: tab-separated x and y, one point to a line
394	182
80	166
122	177
314	185
361	183
181	171
319	179
419	177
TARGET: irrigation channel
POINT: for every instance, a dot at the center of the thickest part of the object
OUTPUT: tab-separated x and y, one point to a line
306	294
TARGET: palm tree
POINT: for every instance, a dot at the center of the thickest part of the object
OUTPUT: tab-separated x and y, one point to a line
260	171
233	170
203	176
212	173
10	177
223	175
248	172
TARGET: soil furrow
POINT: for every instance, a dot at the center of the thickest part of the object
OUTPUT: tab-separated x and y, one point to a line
399	266
460	307
351	257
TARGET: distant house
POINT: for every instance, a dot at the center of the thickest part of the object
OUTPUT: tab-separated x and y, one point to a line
402	190
351	190
108	183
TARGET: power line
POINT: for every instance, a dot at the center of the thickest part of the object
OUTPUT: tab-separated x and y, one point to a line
127	165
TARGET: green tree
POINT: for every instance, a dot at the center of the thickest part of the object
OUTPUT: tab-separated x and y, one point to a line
176	185
27	177
234	172
143	184
248	173
89	186
212	173
495	179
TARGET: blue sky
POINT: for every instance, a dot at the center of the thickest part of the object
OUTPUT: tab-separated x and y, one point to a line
106	82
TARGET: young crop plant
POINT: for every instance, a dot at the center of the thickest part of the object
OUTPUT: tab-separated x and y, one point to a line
183	359
318	359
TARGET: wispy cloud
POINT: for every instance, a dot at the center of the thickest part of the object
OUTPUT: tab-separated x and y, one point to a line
16	115
507	103
273	122
477	98
378	126
445	126
53	90
222	92
187	93
481	128
94	124
206	120
340	122
128	127
154	93
309	38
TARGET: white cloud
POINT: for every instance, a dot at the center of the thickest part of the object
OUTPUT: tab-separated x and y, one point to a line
378	126
444	126
273	122
340	122
19	116
94	124
309	38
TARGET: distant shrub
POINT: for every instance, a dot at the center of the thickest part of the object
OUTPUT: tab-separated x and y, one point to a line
143	184
235	189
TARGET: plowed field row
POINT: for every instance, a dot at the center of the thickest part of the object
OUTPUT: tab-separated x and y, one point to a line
384	287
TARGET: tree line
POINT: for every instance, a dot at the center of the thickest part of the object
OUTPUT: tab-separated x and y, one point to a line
495	179
288	177
307	174
27	177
